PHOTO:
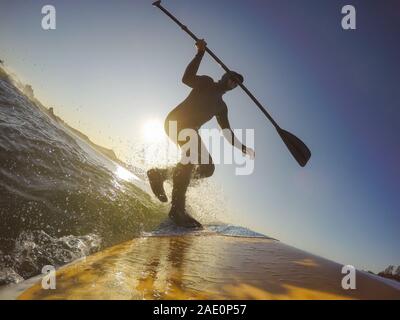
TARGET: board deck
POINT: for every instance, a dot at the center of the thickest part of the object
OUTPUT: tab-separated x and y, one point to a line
206	267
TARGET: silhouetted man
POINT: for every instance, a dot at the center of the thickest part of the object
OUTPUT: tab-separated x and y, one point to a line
203	103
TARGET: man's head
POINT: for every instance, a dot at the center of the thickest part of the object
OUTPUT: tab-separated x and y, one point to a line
230	80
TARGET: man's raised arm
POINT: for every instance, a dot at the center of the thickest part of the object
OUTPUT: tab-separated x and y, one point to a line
190	76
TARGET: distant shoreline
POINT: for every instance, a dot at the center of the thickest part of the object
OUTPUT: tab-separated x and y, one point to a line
27	90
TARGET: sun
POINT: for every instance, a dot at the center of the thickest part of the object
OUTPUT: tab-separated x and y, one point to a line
153	131
157	149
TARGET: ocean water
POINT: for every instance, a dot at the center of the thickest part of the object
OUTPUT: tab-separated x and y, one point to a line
61	200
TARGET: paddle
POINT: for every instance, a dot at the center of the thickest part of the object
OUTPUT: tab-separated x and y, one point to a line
296	147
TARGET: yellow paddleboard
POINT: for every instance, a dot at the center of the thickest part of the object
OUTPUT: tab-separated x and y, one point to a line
206	266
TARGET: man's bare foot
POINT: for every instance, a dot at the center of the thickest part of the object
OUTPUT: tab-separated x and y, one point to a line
157	184
183	219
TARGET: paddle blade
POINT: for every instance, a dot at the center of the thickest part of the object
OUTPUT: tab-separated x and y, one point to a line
296	147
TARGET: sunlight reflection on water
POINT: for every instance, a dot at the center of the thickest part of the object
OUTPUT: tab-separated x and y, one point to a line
124	174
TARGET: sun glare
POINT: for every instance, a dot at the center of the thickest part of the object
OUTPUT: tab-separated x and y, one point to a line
157	148
124	174
153	130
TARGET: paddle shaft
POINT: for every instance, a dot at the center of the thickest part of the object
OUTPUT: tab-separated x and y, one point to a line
218	60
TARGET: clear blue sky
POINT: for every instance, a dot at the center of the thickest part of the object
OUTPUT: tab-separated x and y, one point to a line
110	65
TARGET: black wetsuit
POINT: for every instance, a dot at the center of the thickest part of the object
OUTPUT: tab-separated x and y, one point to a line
204	101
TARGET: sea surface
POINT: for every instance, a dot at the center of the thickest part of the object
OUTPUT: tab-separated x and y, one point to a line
60	199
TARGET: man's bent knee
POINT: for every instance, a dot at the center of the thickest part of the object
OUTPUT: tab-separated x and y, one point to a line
206	170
